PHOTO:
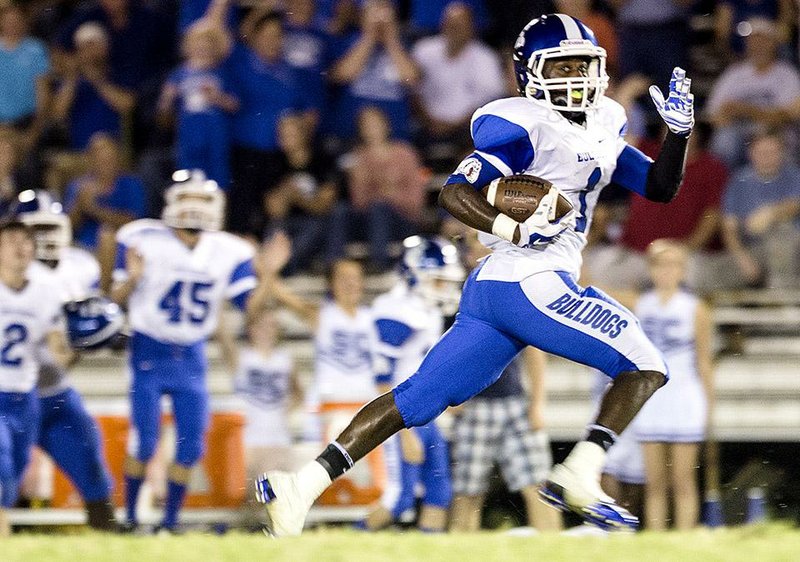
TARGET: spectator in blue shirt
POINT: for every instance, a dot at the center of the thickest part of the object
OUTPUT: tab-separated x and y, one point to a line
374	69
87	99
24	67
307	50
190	11
761	210
105	198
266	87
426	15
199	90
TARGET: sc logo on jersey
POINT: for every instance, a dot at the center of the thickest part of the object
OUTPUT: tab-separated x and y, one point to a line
591	314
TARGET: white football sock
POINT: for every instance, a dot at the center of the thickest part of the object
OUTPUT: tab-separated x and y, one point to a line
312	480
586	458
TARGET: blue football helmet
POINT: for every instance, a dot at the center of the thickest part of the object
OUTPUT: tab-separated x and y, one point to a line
51	227
431	267
93	322
555	36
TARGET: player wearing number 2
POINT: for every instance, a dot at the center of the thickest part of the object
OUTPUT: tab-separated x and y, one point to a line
562	129
30	317
174	275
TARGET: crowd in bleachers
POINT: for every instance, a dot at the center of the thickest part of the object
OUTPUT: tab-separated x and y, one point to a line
335	120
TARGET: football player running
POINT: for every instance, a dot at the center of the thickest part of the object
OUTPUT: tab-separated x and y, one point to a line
174	274
68	433
560	128
30	316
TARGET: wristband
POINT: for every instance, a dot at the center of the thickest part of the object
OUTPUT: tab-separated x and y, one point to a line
505	227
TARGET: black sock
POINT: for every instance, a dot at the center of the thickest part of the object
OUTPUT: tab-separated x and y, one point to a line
602	436
101	515
335	460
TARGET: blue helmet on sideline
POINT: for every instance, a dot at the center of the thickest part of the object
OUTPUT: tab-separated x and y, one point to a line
556	36
431	267
93	322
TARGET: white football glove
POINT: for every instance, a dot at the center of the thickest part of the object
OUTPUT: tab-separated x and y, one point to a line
541	227
678	109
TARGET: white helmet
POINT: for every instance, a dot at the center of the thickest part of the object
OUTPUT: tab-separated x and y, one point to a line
193	202
432	268
52	230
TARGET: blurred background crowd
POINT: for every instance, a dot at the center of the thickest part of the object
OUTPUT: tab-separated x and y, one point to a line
335	120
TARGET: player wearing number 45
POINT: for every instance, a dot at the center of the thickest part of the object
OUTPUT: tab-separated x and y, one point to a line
562	129
174	275
30	314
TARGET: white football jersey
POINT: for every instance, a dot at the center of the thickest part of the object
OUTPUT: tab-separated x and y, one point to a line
344	370
77	273
26	318
578	159
263	384
77	276
407	328
182	289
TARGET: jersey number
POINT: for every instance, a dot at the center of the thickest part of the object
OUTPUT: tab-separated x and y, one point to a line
13	334
171	302
594	178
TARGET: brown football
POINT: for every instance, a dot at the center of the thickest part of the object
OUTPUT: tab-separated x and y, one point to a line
518	196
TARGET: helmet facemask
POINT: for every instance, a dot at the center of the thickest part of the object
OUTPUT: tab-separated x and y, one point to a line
570	94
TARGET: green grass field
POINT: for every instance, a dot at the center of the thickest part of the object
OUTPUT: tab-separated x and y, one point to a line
750	544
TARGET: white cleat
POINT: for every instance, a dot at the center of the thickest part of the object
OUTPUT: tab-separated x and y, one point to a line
568	490
286	505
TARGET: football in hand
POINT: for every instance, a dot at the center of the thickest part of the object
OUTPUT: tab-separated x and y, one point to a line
518	196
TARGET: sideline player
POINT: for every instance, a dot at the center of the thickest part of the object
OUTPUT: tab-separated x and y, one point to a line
409	319
68	433
174	275
30	313
564	130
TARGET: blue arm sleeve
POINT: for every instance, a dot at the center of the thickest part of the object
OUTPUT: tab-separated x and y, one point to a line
245	276
632	169
502	148
119	259
240	300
